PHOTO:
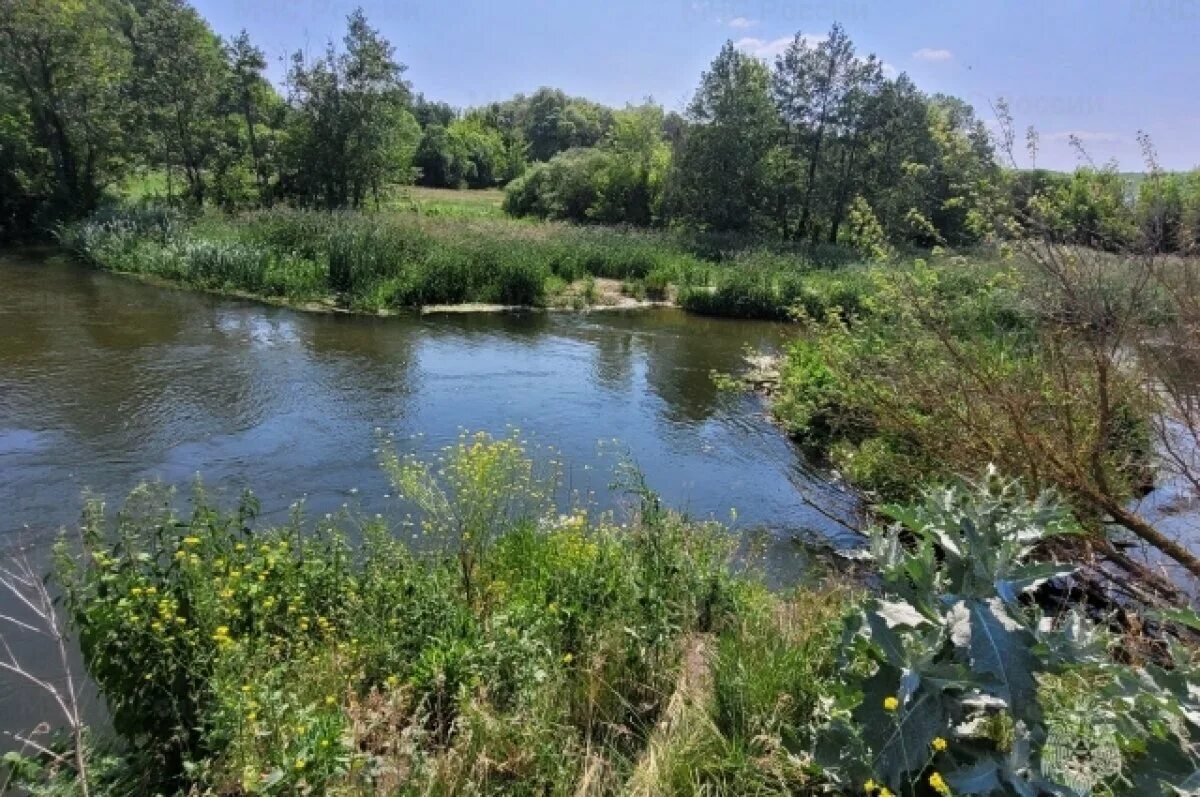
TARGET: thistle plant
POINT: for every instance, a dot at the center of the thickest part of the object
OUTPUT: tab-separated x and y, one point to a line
958	682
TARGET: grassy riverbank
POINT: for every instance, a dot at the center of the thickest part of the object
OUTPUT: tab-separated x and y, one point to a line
529	648
443	248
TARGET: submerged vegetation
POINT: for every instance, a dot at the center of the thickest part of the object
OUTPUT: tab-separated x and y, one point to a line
529	648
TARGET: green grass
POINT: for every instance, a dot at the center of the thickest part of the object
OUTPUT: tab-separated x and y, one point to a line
440	246
531	649
374	261
486	203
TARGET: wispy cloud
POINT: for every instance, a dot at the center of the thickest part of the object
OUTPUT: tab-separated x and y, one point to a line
932	54
742	23
1086	136
768	49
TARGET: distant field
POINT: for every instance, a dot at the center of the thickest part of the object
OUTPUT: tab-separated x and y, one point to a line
469	203
149	184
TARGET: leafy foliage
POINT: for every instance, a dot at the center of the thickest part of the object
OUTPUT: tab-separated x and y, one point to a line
959	677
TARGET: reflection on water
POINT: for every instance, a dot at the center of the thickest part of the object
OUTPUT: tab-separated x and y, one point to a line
105	382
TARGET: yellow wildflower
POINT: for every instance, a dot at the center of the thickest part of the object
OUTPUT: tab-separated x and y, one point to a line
890	704
567	658
938	783
330	700
191	540
940	744
885	792
870	786
301	763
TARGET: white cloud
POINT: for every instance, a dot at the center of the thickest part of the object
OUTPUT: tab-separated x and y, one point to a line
741	23
1086	136
767	50
931	54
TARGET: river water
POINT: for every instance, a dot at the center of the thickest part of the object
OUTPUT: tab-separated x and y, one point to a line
106	382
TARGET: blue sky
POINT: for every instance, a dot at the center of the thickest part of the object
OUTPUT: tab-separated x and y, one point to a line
1102	69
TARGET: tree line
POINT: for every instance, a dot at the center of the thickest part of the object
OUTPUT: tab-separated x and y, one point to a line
819	147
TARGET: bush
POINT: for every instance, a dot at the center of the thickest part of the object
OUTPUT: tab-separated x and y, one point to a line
234	657
529	648
955	682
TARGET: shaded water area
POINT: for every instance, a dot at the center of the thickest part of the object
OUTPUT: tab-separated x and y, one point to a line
106	382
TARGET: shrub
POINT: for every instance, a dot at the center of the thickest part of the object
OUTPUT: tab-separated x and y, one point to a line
955	682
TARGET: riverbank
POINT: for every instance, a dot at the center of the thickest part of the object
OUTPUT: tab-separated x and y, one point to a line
380	262
531	647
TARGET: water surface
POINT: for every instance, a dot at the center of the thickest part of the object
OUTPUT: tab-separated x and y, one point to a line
106	382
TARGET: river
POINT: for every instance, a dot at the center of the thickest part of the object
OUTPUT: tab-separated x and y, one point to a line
106	382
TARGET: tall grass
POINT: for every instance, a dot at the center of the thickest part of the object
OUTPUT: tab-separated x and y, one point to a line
530	649
376	261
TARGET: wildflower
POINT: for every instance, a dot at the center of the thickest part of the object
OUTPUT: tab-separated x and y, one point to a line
938	783
301	763
241	546
940	744
567	658
136	591
245	689
870	786
151	590
392	681
890	704
330	700
191	540
885	792
180	554
251	717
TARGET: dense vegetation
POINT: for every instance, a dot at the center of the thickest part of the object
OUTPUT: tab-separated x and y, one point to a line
527	648
819	148
523	647
382	261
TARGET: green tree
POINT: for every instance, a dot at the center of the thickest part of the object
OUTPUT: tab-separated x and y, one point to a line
350	132
466	153
179	73
253	98
64	110
821	92
720	179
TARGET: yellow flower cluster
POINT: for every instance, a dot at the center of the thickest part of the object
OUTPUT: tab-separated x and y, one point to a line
221	636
